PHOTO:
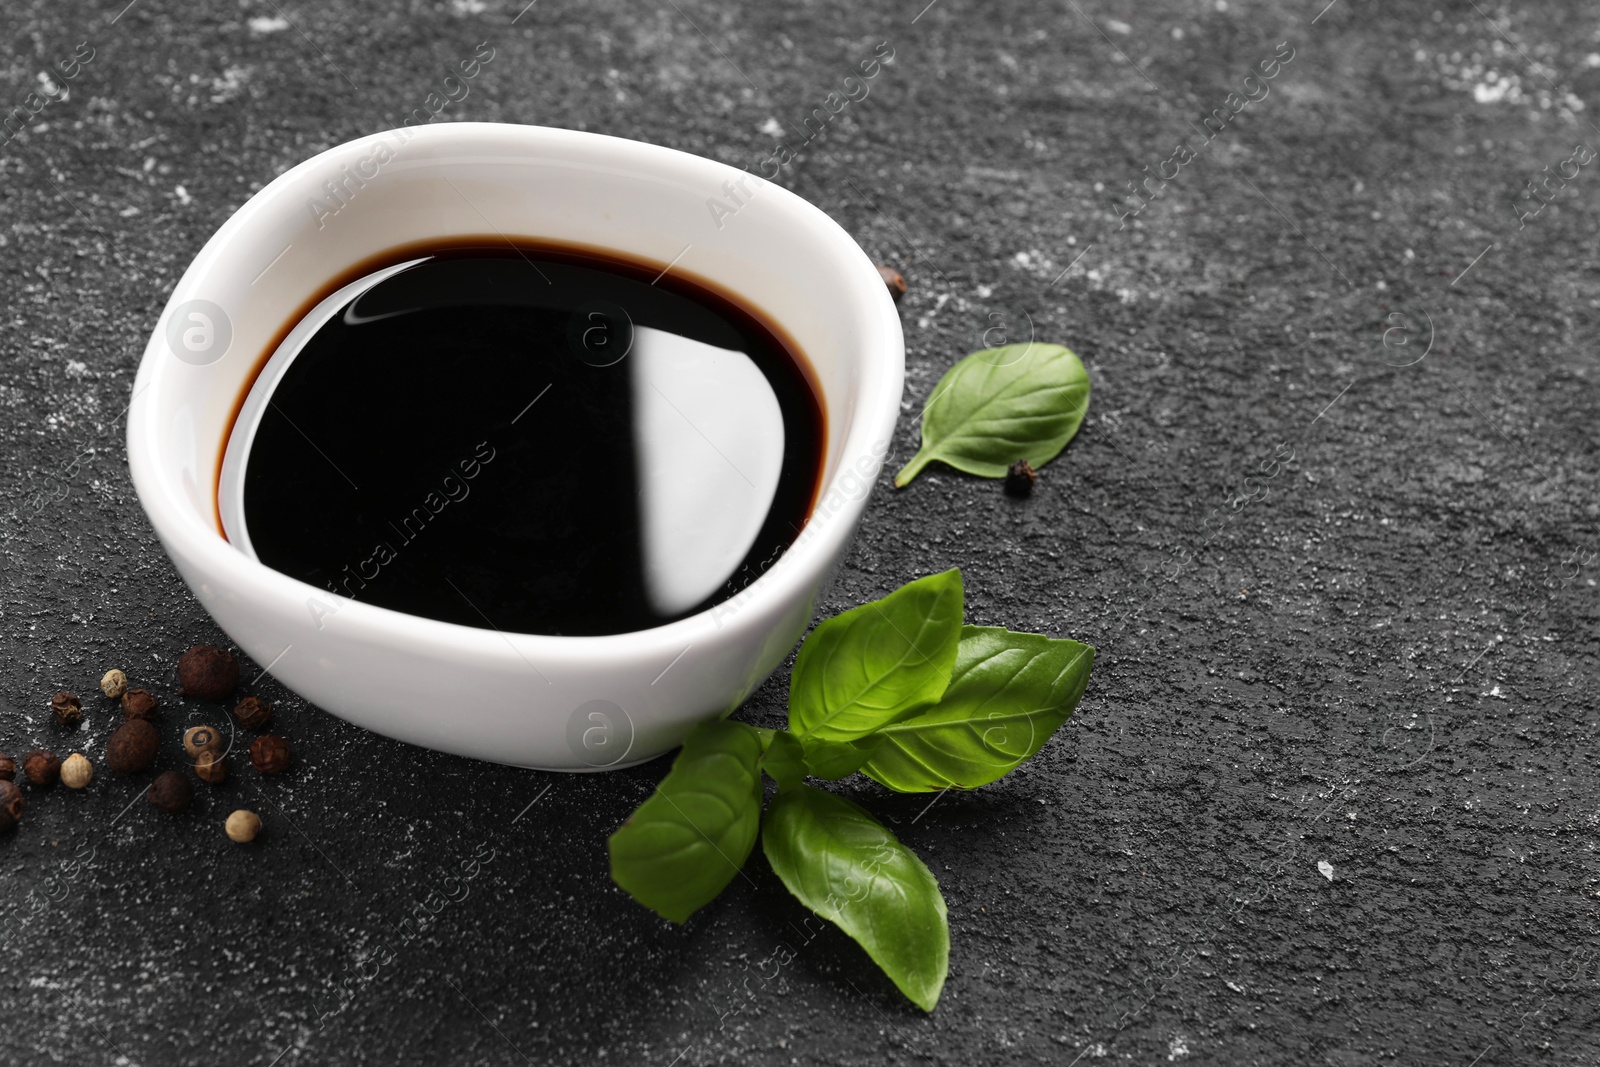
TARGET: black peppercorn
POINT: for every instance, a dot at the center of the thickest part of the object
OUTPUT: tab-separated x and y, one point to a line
170	792
68	709
138	704
207	672
252	713
1020	478
132	747
10	805
269	753
42	767
8	768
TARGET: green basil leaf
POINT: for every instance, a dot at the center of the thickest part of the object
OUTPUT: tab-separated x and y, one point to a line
1009	692
1000	405
785	760
682	846
788	759
876	663
848	868
833	760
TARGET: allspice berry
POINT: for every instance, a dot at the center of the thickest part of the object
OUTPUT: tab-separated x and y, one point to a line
252	713
894	280
68	709
269	754
10	805
114	683
198	739
138	704
170	792
77	771
242	826
211	768
42	767
132	747
8	768
207	672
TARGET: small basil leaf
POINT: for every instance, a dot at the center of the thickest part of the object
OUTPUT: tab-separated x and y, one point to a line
1000	405
848	868
788	759
682	846
833	760
878	662
1009	692
785	760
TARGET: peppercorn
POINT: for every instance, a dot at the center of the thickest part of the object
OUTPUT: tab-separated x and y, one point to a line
138	704
42	767
10	805
132	747
77	771
252	713
894	280
207	672
8	768
211	767
243	826
198	739
68	709
170	792
114	683
269	753
1020	478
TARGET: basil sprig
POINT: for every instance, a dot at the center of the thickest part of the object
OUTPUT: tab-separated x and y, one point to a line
897	689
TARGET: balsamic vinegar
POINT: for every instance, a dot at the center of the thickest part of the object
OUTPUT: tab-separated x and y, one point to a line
535	439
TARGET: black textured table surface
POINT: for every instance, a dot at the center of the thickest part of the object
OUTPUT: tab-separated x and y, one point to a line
1331	798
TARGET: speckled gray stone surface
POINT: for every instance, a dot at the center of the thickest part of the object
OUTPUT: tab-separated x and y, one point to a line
1331	798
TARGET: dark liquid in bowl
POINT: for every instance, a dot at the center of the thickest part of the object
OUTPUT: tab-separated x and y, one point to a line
535	440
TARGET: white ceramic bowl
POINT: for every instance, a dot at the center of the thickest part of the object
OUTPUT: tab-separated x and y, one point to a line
568	703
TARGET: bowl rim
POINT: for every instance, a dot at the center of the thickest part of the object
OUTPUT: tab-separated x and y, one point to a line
868	435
